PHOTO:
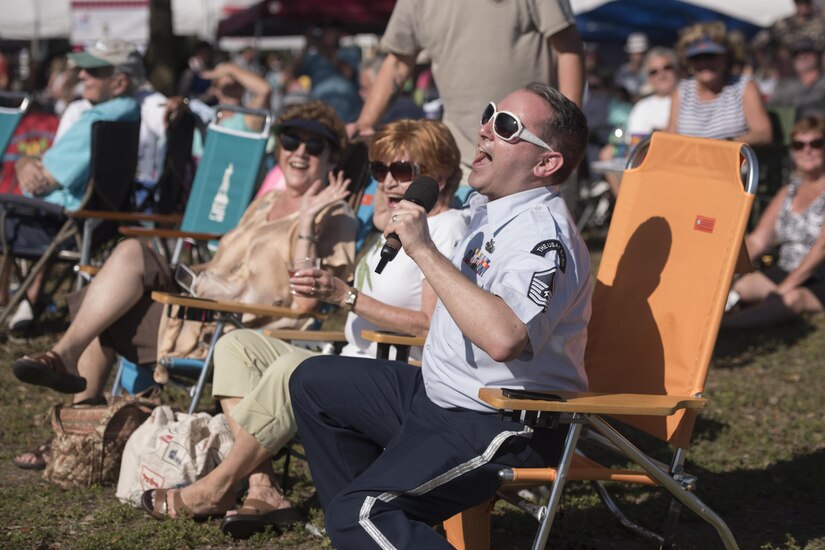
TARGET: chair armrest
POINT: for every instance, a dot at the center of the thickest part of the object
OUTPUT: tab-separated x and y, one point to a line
166	219
148	233
88	269
392	338
233	307
306	335
596	403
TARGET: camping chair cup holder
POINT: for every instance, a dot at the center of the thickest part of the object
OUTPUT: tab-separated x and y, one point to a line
667	225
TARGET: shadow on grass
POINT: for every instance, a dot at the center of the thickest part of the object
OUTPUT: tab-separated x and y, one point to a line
738	348
764	508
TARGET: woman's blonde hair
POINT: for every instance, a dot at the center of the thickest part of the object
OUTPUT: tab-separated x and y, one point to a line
807	124
426	142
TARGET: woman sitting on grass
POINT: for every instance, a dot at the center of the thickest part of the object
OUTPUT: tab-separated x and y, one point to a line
795	220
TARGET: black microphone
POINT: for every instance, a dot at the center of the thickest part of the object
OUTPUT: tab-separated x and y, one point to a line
423	191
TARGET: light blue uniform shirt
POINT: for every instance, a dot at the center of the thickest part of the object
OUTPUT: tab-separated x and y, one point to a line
69	158
524	248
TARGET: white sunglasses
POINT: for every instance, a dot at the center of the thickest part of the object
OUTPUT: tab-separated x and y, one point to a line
508	126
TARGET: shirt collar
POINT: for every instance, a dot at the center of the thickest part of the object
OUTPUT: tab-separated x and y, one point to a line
506	208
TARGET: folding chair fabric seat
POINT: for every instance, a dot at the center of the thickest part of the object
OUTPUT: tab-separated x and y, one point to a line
10	116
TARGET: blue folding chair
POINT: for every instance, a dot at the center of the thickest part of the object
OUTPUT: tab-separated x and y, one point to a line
225	181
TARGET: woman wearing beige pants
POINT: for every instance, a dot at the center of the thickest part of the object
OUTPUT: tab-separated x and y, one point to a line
252	370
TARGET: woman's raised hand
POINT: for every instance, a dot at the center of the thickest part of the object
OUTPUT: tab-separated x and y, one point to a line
316	198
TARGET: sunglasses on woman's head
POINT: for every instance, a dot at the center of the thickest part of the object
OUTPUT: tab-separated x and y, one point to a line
814	144
401	170
315	145
508	126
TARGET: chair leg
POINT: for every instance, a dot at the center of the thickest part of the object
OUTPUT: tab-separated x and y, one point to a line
207	364
64	233
558	485
675	508
665	480
470	530
617	512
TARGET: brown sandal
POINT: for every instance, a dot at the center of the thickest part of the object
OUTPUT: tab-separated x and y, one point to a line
47	369
154	497
40	454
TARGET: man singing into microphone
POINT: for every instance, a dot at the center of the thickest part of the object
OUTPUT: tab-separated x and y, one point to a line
394	449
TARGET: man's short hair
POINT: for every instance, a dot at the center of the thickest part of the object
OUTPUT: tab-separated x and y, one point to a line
565	131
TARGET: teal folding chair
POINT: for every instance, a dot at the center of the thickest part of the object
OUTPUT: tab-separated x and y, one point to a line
225	181
13	106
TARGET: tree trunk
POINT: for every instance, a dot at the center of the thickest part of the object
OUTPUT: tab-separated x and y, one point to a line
161	57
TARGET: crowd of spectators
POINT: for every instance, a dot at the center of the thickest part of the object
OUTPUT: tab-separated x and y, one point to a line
709	82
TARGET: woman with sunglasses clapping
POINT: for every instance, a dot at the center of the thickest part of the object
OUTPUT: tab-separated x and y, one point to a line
795	221
252	371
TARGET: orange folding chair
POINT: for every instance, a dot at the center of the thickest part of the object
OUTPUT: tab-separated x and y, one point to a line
675	240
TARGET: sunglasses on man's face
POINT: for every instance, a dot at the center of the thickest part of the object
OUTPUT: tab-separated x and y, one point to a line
401	170
508	126
665	69
813	144
314	145
100	72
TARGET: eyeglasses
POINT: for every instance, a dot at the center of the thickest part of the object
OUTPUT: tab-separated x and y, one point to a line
100	72
704	57
401	170
314	145
654	72
508	126
813	144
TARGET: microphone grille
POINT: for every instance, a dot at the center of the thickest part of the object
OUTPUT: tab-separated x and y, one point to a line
423	191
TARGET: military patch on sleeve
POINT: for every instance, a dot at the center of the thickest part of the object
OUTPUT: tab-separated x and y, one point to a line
541	288
551	245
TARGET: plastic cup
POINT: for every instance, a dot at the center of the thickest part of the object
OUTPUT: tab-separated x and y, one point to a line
294	266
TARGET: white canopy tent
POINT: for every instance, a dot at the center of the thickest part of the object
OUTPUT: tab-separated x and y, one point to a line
42	19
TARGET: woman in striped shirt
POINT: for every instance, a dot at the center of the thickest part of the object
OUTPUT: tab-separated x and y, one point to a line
714	102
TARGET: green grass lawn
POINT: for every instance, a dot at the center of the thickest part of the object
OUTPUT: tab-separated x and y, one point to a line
759	453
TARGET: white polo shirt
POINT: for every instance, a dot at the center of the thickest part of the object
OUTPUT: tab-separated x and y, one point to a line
524	248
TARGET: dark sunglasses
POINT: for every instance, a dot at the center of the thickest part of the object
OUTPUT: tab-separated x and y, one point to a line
315	145
703	57
666	68
814	144
100	72
401	170
508	126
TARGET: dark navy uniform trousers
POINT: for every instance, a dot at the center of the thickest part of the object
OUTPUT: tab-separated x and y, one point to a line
388	463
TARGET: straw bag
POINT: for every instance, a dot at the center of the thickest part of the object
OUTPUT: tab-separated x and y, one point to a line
88	440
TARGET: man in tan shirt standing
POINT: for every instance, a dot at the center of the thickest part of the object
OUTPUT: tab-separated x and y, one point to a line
479	50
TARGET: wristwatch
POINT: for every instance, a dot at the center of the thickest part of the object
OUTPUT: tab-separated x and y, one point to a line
349	301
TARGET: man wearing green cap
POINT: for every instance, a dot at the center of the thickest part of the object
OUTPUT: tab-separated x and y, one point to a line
107	71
